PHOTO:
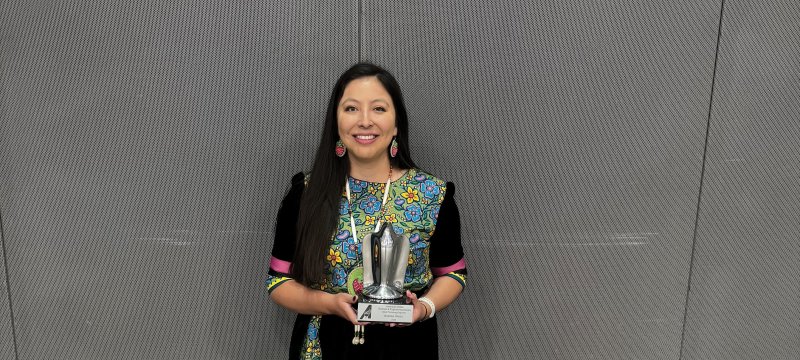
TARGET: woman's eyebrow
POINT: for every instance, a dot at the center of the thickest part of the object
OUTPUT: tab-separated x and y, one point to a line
356	101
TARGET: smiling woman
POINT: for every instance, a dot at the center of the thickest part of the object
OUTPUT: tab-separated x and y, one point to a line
366	119
363	177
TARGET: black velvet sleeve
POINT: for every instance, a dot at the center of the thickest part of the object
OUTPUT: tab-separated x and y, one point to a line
446	251
286	224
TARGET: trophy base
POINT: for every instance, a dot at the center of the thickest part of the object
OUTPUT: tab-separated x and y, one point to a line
384	311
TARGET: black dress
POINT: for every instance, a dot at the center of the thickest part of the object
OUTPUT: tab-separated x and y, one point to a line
419	205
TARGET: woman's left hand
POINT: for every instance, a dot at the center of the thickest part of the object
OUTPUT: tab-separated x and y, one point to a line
419	313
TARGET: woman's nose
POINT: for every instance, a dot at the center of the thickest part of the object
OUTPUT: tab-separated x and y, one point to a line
364	119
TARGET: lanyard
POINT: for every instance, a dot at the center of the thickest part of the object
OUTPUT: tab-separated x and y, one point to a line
350	209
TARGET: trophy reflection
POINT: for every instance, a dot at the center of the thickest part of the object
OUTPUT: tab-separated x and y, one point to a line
385	261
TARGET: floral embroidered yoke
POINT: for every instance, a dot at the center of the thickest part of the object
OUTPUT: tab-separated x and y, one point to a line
418	205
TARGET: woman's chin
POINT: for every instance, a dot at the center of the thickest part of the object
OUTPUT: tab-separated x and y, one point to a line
366	156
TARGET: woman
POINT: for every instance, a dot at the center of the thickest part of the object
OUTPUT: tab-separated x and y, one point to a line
316	265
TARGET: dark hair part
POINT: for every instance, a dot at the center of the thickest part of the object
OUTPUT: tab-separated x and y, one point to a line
319	205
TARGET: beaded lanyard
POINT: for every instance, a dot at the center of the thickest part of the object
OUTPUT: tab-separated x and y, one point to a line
383	205
358	335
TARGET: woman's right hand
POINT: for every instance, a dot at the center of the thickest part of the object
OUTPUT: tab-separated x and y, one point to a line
341	304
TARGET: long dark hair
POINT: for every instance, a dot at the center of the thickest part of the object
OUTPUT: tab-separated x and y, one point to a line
319	205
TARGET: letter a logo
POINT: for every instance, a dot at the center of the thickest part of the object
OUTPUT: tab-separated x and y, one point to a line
367	313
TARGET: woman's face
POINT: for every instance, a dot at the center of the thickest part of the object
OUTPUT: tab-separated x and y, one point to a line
366	118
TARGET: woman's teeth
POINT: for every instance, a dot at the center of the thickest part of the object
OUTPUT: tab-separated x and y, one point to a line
365	137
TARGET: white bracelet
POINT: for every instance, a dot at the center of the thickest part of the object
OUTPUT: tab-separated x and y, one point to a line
430	303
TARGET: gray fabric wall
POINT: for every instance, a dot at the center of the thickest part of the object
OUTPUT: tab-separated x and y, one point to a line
627	171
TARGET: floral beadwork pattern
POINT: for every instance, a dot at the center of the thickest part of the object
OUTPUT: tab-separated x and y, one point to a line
311	349
413	207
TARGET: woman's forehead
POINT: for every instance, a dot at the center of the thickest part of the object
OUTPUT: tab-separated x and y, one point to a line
366	89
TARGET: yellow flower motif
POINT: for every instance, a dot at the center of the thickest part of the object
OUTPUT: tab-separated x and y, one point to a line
410	195
370	220
411	260
309	349
390	218
334	257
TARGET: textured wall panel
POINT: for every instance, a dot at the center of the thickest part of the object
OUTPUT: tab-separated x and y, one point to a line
745	289
6	333
575	132
145	147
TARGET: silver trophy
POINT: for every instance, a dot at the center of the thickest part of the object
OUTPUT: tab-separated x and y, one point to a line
385	261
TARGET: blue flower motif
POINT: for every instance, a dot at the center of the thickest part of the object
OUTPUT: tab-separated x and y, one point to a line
356	186
370	205
312	332
414	238
339	276
419	245
418	270
413	212
343	234
434	212
419	266
397	229
420	177
408	279
343	207
351	248
429	189
399	201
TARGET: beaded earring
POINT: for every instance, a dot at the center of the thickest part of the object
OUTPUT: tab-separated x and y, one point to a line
340	149
393	148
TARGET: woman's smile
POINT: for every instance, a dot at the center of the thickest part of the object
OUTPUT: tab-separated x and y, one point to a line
365	139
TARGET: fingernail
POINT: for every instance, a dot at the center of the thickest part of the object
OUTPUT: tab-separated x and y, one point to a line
355	298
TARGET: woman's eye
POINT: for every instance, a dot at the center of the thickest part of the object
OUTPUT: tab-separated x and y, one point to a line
348	108
380	108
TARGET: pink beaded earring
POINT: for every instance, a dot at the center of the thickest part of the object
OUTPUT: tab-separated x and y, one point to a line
340	149
393	148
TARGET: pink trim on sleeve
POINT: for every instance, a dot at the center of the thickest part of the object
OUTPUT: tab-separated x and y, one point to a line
439	271
279	265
